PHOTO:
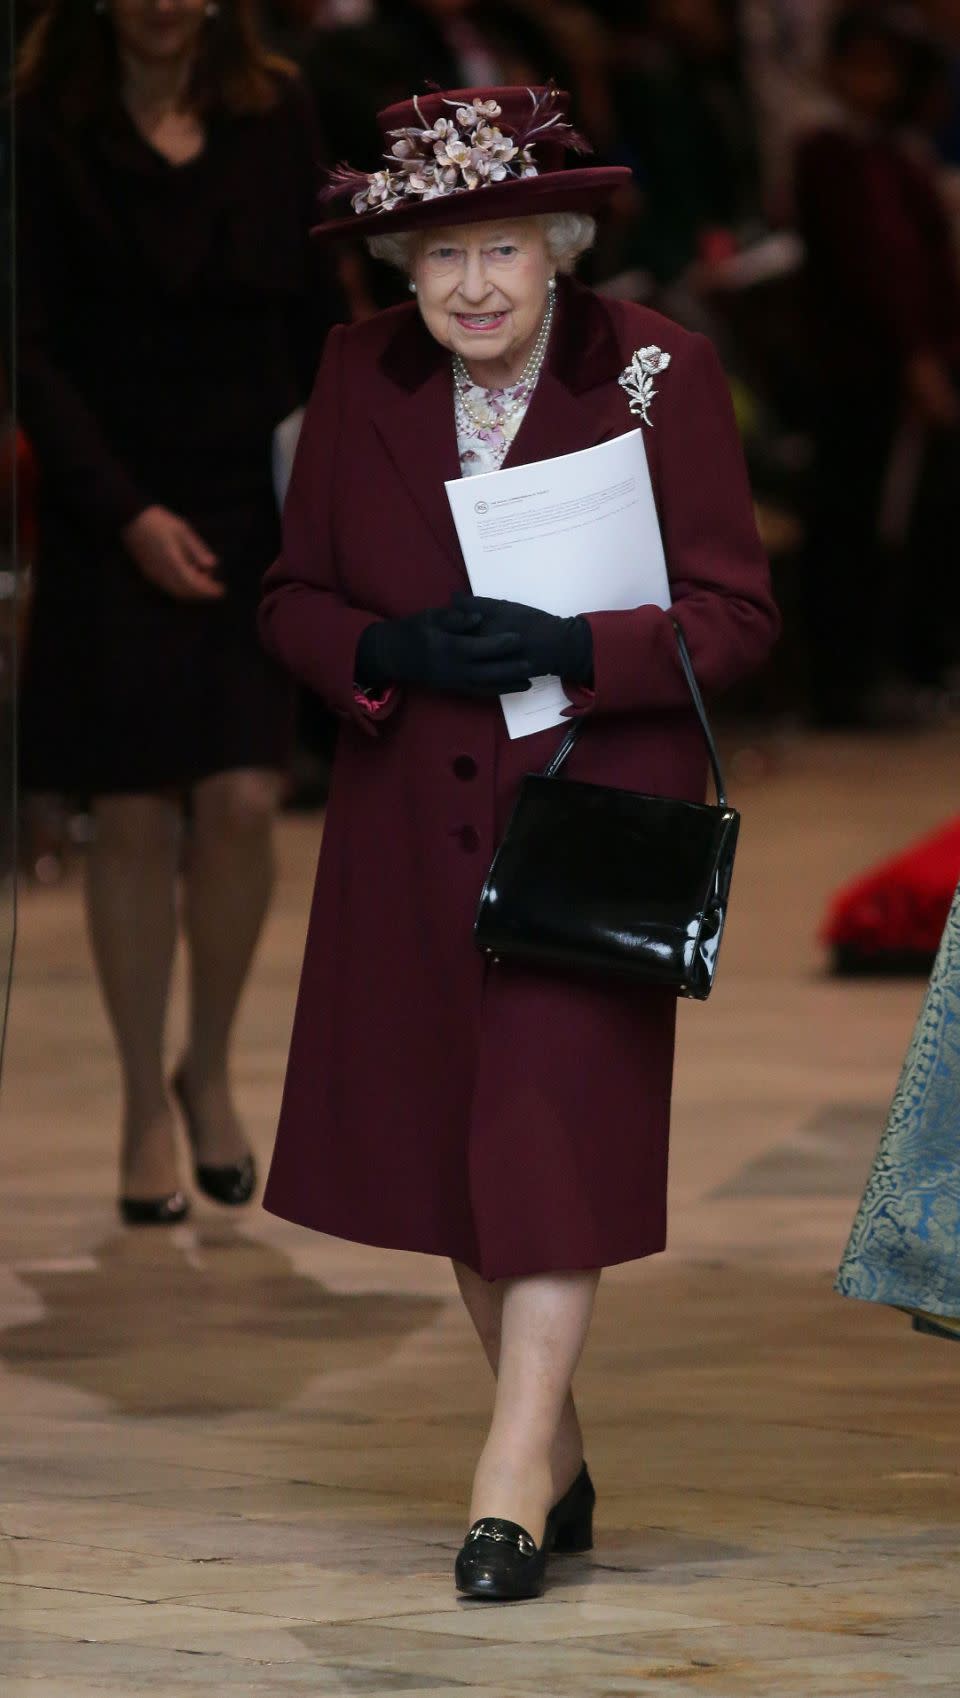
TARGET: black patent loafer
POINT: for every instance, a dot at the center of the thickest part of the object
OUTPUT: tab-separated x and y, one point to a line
500	1562
570	1522
232	1184
154	1211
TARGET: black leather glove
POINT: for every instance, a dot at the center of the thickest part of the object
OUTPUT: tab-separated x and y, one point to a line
549	643
444	649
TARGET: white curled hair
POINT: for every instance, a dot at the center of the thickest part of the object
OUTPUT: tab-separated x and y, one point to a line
567	235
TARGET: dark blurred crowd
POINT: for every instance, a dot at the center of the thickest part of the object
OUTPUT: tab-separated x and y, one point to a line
796	196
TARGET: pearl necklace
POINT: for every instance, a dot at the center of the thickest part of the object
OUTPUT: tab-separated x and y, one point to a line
511	403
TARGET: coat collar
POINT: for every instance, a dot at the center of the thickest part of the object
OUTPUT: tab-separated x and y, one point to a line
569	410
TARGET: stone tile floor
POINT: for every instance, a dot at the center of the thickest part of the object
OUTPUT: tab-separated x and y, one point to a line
234	1457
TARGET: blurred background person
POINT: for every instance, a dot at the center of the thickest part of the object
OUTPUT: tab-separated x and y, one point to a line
943	18
783	46
904	1243
687	127
168	324
883	301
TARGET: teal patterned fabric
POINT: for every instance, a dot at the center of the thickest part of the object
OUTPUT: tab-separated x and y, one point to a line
905	1245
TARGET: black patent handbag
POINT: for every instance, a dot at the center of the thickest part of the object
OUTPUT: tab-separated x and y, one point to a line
593	879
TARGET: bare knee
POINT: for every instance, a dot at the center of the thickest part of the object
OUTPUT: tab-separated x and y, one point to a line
236	804
135	826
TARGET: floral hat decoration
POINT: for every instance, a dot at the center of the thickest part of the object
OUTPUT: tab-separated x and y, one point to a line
464	155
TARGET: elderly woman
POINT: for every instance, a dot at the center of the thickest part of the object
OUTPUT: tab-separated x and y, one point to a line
512	1120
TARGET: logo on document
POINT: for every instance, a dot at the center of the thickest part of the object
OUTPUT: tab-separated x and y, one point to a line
481	507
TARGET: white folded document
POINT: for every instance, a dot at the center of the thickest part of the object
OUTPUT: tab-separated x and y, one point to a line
576	534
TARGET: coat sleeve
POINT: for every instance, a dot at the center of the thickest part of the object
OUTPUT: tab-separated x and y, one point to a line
306	621
80	468
718	572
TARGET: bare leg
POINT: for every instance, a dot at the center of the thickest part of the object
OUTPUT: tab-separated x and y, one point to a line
543	1325
227	884
131	913
483	1300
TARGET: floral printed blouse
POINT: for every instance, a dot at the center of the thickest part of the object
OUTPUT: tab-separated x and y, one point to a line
483	448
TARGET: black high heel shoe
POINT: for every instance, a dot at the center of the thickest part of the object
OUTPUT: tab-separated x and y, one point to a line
233	1184
499	1561
570	1521
153	1211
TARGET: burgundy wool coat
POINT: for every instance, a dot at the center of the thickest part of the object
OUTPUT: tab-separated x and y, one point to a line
515	1121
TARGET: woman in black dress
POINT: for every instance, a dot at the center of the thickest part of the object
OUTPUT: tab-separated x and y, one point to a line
168	324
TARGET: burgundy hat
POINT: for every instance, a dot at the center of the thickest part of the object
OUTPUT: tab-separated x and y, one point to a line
463	156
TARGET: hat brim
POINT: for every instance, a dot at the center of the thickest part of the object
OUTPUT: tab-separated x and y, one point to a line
581	189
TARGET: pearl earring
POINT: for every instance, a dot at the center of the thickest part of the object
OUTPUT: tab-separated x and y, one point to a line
412	286
552	285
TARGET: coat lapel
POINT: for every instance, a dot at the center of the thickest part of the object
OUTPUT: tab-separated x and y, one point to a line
415	420
572	407
559	422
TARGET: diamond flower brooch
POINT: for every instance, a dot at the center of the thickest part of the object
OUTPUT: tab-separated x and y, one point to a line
637	379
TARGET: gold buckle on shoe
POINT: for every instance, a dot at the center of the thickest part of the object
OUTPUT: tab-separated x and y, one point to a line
520	1541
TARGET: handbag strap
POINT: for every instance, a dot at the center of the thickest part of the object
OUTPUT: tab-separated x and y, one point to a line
573	735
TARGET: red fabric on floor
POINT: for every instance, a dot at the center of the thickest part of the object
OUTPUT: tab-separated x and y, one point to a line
902	905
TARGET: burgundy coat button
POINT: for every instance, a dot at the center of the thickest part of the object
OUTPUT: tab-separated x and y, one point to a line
465	767
470	839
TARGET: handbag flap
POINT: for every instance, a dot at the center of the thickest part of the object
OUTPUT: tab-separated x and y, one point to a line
620	842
